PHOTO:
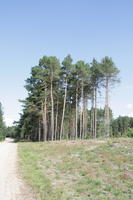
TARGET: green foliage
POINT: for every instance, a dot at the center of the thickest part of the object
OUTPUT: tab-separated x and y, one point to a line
2	125
130	132
109	70
11	132
122	126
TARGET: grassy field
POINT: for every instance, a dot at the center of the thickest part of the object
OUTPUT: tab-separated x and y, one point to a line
75	170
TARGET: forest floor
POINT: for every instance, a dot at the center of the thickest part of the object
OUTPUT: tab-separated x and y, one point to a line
75	170
11	185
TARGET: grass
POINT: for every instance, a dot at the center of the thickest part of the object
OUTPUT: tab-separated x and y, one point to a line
75	170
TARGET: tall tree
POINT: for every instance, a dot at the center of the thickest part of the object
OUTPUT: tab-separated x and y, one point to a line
83	75
96	79
66	71
110	76
52	66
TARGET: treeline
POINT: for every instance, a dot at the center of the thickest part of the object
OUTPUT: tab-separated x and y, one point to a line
2	125
11	131
122	126
62	100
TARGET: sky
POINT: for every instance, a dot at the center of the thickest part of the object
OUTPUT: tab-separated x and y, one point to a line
83	28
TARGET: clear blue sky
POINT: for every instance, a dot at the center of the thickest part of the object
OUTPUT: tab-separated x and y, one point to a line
83	28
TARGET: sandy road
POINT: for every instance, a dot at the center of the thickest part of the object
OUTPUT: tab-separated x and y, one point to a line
11	186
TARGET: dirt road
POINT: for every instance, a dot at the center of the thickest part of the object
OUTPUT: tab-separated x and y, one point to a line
11	185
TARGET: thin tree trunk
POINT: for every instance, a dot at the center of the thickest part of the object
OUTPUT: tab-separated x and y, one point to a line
76	120
52	112
107	118
43	120
95	113
86	118
91	117
45	116
81	117
82	94
56	121
73	128
83	136
39	130
80	135
64	105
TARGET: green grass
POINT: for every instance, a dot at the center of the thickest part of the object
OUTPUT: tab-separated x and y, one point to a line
72	170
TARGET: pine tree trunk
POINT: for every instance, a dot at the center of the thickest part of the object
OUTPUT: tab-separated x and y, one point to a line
80	134
73	128
43	120
91	118
83	136
81	117
86	118
64	105
107	119
52	112
56	121
95	113
76	120
45	116
39	130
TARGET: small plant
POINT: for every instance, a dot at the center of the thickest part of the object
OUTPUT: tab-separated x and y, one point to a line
130	132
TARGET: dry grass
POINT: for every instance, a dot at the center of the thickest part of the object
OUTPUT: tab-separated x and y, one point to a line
79	169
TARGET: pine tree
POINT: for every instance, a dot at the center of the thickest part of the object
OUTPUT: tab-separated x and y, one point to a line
110	76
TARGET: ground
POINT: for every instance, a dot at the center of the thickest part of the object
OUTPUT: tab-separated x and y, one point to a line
75	170
67	170
12	186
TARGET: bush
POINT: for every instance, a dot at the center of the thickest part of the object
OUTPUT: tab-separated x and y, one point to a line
130	132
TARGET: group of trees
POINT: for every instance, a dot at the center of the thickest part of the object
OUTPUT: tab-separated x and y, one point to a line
11	131
122	126
58	97
2	124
